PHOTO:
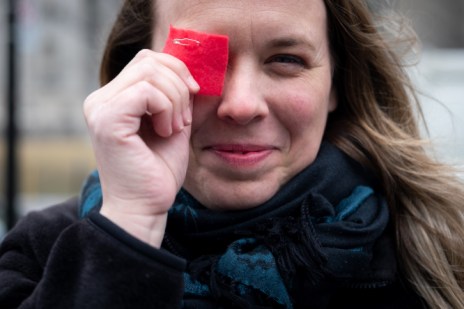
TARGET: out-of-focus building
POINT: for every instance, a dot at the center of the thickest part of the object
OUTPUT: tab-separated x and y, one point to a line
440	74
60	44
438	23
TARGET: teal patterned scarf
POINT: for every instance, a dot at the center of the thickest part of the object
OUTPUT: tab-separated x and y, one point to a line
324	230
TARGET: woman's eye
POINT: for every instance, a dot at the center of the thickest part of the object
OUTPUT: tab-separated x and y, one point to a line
287	59
286	65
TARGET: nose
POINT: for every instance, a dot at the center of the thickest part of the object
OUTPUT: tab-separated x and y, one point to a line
243	100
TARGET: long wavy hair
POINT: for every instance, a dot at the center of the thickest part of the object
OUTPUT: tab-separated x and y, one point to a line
376	123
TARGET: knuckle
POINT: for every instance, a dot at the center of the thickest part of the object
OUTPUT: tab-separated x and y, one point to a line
92	108
148	68
181	67
142	69
91	117
144	89
144	53
146	92
144	86
175	96
185	93
88	105
177	65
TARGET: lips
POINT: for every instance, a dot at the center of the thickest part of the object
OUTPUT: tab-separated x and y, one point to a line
243	149
239	155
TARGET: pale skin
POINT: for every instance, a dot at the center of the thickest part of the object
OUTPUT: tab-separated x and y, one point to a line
153	135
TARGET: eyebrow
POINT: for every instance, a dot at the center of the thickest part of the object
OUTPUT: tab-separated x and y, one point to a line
290	42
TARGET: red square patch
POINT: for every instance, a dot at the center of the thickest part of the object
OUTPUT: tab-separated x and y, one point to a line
206	56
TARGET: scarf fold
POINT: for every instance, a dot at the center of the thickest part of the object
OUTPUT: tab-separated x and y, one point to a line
325	229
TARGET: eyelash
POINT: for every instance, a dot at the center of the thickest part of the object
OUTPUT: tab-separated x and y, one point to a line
288	59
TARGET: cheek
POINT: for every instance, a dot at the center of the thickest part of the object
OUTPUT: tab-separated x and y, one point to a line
297	110
301	106
304	115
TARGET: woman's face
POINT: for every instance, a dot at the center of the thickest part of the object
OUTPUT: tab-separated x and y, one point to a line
268	124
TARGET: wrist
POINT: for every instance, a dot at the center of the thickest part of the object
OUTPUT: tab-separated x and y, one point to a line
147	228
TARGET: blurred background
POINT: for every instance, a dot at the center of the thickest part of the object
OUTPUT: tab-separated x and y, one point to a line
58	49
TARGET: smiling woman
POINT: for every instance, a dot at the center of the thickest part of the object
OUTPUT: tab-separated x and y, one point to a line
273	111
304	184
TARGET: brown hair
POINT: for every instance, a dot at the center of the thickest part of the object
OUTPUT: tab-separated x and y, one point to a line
131	32
375	123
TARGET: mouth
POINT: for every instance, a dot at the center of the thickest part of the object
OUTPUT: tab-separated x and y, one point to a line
239	155
240	149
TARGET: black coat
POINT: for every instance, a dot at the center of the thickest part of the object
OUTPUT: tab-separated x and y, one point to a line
53	259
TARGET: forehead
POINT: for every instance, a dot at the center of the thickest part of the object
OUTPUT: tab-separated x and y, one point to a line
235	17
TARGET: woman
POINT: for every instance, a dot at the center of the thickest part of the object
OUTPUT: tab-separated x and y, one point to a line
304	185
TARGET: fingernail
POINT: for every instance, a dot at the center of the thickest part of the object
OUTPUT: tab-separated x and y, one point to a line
169	132
179	125
188	121
193	83
187	116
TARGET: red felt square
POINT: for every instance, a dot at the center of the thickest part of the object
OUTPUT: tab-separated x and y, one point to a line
204	54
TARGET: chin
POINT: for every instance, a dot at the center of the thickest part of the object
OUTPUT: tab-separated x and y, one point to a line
236	199
239	205
227	194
